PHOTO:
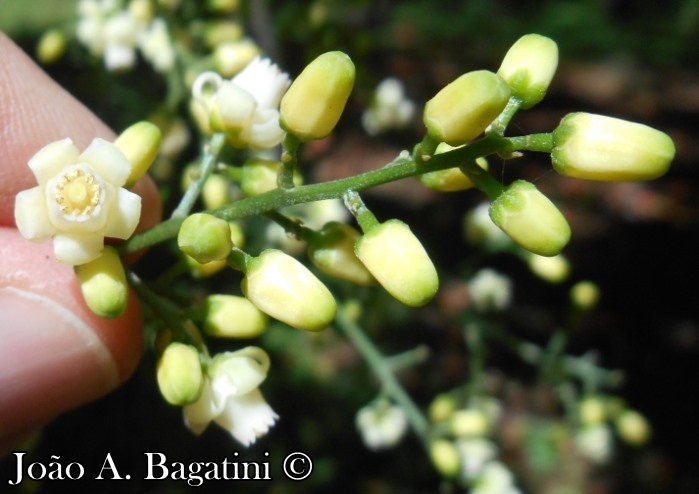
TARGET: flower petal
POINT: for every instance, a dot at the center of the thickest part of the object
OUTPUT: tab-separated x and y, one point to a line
198	415
50	159
247	417
124	217
77	248
107	160
31	215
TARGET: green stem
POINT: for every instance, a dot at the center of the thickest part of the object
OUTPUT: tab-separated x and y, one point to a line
166	311
292	226
401	167
535	142
207	166
364	216
500	124
384	372
482	179
285	179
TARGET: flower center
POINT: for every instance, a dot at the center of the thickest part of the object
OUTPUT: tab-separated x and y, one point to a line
78	192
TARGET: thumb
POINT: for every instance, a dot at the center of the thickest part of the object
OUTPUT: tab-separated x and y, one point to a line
54	353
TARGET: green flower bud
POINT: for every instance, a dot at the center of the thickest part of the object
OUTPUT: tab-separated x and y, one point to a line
312	106
179	374
332	251
596	147
230	316
463	109
285	289
633	428
530	219
528	68
103	284
205	237
199	270
140	144
445	458
397	259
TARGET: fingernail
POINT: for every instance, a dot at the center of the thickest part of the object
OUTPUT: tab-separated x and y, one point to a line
50	361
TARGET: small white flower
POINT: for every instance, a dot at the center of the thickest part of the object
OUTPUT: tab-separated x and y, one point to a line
381	425
390	109
246	107
157	47
79	200
490	290
475	453
495	478
231	397
595	443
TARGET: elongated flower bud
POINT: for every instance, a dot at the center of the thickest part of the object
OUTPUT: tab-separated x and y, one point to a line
633	428
229	316
463	109
285	289
597	147
140	144
179	374
103	284
312	106
530	219
451	179
445	457
397	259
332	251
528	68
205	237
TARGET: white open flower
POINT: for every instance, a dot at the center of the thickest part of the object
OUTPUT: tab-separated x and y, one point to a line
79	200
231	397
381	425
245	108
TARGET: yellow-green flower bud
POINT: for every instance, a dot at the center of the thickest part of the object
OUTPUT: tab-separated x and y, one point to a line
51	47
397	259
469	423
445	458
199	270
332	251
260	176
205	237
530	219
312	106
179	374
585	294
451	179
231	57
592	411
463	109
633	428
229	316
528	68
285	289
216	191
103	284
140	144
554	269
597	147
441	408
